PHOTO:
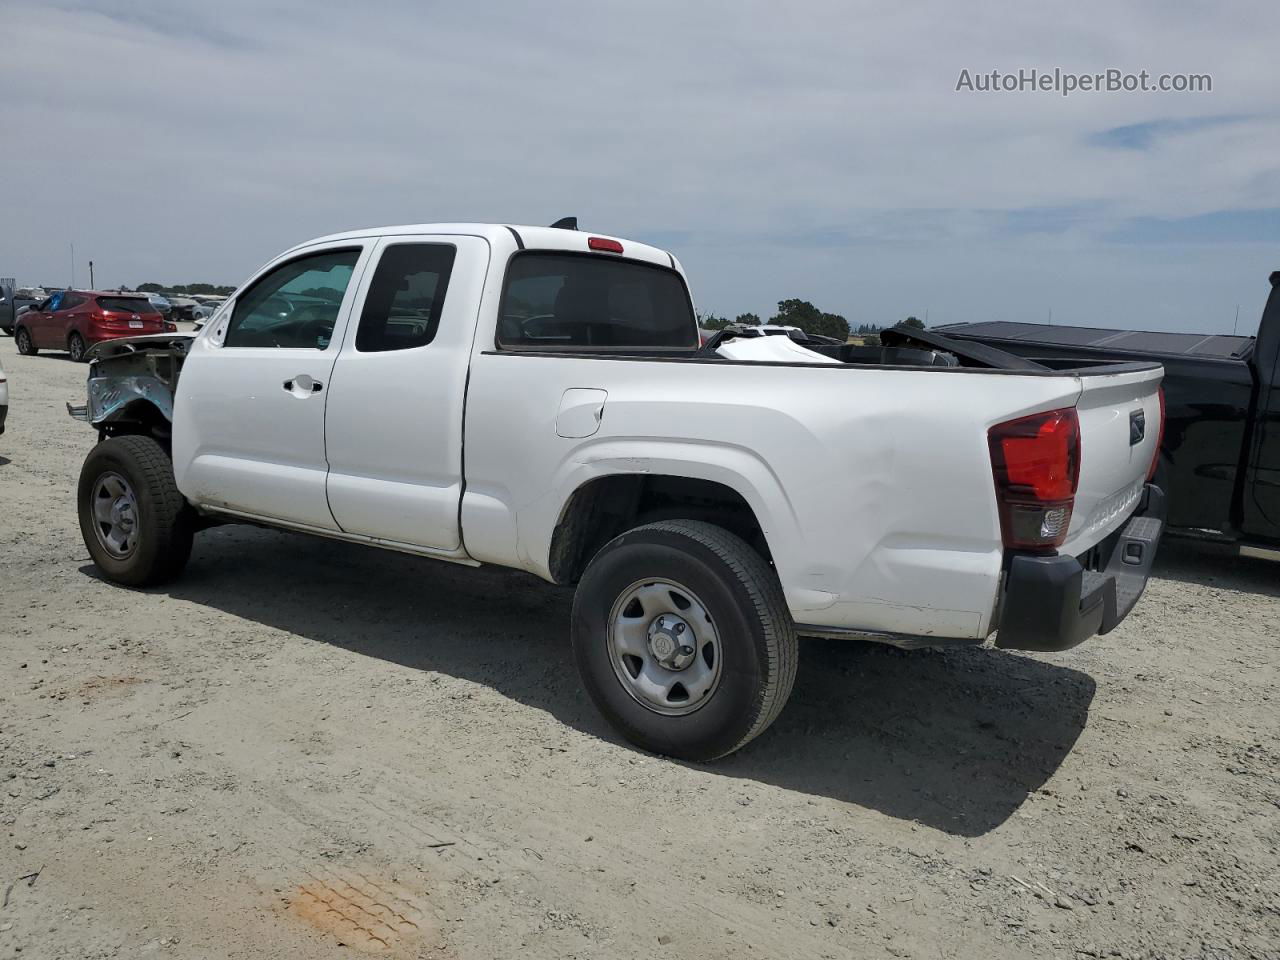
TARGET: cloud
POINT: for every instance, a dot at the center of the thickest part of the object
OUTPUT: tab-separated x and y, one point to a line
1218	227
809	149
1142	136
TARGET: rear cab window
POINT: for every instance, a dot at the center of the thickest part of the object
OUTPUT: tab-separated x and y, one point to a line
554	300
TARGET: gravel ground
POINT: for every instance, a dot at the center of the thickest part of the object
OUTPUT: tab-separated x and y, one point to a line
304	749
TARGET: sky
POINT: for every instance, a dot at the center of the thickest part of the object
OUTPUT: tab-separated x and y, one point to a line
817	150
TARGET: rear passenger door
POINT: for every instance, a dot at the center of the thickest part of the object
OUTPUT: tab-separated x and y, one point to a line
74	312
393	425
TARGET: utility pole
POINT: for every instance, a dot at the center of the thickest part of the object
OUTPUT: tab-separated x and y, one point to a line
73	264
91	286
1051	316
1236	325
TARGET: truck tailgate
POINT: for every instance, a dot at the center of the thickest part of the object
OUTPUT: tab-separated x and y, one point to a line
1119	433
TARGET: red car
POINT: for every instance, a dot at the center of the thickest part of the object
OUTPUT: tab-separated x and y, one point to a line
74	320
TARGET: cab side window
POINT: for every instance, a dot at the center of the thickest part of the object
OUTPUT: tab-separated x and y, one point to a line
295	305
406	297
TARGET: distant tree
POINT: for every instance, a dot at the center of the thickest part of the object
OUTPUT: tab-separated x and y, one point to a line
709	321
834	325
803	314
748	319
871	340
323	293
913	322
186	289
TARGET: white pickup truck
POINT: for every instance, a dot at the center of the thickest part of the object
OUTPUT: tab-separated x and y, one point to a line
538	398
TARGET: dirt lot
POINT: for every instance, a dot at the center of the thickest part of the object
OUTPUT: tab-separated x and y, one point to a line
308	749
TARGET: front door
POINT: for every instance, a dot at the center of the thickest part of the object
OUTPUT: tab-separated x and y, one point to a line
393	425
249	414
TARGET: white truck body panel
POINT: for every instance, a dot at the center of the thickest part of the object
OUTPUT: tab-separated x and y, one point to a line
873	485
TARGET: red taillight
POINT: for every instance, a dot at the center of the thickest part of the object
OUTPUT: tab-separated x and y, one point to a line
605	244
1036	464
1155	457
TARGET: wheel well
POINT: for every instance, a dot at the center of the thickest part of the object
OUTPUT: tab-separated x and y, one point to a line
139	418
602	509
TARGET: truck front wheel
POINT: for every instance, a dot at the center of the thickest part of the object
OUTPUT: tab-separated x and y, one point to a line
135	523
683	639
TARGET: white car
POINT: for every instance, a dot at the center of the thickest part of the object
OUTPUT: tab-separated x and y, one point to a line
537	398
204	311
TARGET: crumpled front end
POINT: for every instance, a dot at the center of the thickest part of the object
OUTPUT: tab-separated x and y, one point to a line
132	380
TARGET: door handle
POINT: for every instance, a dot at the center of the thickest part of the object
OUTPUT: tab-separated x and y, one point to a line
303	385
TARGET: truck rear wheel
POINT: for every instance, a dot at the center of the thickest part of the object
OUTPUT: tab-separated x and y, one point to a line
136	524
683	639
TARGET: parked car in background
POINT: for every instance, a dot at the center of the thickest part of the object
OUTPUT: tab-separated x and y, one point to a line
205	310
709	509
161	304
74	320
1220	454
183	309
4	398
13	302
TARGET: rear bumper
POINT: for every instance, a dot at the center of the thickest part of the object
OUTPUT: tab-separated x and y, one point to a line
1054	603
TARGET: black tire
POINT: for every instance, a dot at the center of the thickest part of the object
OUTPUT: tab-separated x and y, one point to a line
26	346
76	347
744	601
164	521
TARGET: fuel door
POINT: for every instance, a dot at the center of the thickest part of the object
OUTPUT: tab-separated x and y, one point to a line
581	410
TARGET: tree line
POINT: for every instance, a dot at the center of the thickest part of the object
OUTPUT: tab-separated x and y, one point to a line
803	314
206	289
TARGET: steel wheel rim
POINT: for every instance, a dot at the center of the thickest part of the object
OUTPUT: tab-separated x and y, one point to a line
114	509
649	625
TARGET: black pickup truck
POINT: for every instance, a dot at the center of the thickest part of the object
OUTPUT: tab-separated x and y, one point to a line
1220	459
11	304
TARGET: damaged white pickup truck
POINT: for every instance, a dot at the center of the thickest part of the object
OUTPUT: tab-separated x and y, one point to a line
538	398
